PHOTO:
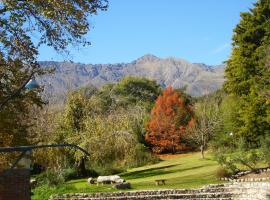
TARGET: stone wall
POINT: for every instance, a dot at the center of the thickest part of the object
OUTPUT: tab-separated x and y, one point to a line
250	190
14	184
234	191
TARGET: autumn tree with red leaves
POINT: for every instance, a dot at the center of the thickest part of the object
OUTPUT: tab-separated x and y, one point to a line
170	117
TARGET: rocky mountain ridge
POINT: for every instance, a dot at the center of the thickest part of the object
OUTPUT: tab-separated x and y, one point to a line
198	78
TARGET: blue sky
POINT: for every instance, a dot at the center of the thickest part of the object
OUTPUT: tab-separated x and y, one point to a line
196	30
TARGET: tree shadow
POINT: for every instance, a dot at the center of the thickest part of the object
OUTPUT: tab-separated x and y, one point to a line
156	172
76	181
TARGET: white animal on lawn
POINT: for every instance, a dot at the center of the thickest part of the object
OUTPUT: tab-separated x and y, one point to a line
109	179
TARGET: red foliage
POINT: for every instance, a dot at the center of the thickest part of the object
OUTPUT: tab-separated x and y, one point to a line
169	119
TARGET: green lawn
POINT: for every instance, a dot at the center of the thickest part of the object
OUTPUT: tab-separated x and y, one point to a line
180	171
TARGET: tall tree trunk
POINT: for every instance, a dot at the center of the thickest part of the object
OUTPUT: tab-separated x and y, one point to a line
202	151
202	146
81	168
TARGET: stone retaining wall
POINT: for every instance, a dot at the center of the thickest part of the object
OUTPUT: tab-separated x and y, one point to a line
240	176
233	191
246	179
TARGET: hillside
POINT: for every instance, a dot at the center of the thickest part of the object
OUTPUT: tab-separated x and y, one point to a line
199	79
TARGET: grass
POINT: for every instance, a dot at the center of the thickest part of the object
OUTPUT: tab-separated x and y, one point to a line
180	171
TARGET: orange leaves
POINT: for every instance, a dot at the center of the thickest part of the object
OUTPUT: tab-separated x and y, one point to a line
169	119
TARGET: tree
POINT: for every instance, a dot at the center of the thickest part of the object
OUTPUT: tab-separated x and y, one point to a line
137	90
16	118
54	23
248	73
169	119
24	27
206	122
129	91
111	138
74	116
75	111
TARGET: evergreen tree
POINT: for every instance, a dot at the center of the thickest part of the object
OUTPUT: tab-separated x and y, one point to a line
248	72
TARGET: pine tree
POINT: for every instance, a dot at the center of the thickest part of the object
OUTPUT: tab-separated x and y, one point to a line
248	72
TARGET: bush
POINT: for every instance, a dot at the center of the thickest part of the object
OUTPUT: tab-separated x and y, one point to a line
69	174
108	170
45	191
143	156
238	158
265	150
92	173
51	178
140	156
223	172
37	169
54	178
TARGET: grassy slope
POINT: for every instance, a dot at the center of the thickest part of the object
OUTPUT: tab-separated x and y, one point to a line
180	171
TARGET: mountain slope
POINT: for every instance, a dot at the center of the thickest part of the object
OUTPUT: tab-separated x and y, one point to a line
199	79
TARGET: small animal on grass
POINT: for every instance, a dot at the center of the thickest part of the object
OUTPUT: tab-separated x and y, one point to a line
109	179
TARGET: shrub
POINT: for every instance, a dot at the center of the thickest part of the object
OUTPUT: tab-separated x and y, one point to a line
223	172
37	169
51	178
238	158
45	191
109	169
92	173
69	174
265	150
140	156
143	156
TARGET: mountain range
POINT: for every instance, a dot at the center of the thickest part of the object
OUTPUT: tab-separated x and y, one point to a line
199	79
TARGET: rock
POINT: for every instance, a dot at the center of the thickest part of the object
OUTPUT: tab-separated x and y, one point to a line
200	79
124	185
120	180
33	183
241	191
108	179
90	180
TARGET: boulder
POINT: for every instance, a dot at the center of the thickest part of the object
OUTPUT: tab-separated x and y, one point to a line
120	180
108	179
33	183
90	180
124	185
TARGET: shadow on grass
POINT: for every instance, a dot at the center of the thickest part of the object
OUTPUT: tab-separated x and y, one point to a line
77	181
157	171
150	172
194	180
